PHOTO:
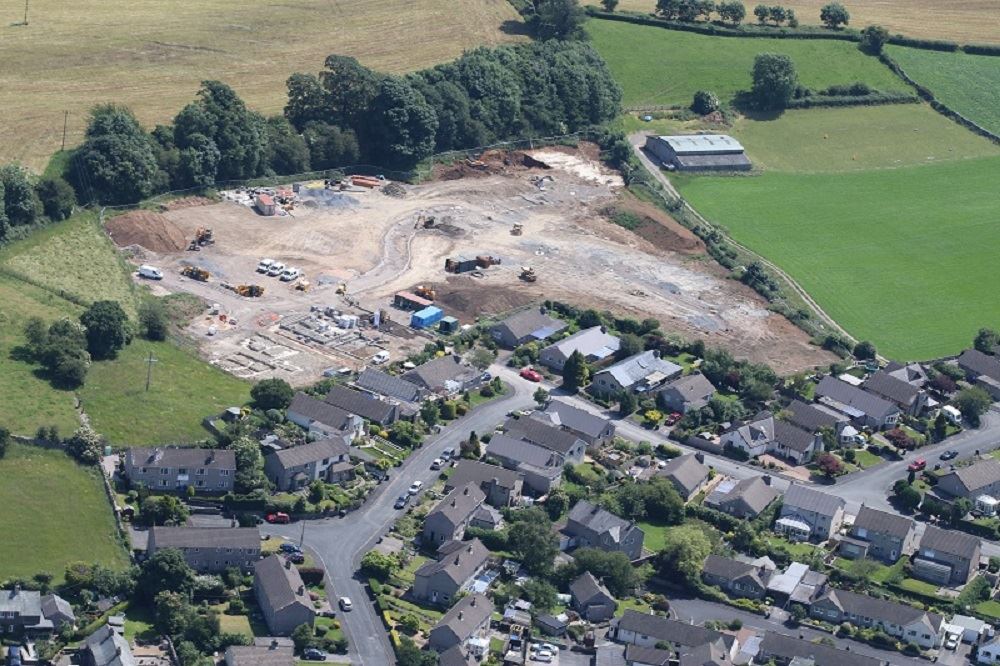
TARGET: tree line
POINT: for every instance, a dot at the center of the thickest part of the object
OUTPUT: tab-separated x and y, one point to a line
26	201
347	114
833	15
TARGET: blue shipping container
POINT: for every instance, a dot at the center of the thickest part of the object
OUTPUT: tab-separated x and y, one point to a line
426	317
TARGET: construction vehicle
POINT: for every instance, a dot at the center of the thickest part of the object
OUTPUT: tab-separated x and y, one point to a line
342	288
425	222
517	230
250	290
475	164
485	261
425	292
202	237
528	274
195	273
303	285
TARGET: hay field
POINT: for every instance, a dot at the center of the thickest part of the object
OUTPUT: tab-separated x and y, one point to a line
152	54
962	21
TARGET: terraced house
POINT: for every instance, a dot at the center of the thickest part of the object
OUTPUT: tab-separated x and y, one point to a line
908	624
209	549
176	469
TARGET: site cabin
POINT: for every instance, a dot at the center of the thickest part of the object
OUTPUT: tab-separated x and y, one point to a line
406	300
426	318
699	152
265	204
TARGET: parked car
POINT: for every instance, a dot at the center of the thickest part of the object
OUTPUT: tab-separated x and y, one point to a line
265	265
314	654
949	455
531	375
448	453
415	487
951	642
673	418
290	274
917	465
295	558
150	272
437	464
288	547
276	269
402	501
345	604
278	517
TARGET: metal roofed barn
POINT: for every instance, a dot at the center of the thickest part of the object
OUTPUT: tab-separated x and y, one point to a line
699	152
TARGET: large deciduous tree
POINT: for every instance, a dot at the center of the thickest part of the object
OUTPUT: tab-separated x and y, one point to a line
774	80
116	163
107	329
402	124
834	15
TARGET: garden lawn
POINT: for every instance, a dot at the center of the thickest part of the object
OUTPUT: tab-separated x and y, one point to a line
989	608
919	587
865	459
655	535
184	390
53	512
903	257
656	66
968	84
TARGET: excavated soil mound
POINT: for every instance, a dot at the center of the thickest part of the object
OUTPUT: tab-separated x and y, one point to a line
662	230
467	297
490	163
147	229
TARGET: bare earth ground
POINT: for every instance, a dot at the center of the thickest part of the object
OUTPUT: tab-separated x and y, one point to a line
153	54
371	242
962	21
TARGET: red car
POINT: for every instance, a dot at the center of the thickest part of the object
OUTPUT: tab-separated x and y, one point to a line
917	465
531	375
673	418
277	518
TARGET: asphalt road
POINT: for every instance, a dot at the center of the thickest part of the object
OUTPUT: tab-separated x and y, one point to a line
338	544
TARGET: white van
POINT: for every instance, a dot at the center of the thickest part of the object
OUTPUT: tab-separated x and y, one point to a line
150	272
290	274
380	357
276	269
265	265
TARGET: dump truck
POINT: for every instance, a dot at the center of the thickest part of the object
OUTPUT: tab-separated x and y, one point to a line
424	292
195	273
485	261
460	265
202	237
303	285
250	290
425	222
528	274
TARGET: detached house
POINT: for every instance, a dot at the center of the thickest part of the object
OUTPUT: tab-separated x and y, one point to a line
593	429
594	344
946	557
549	436
105	647
447	521
590	526
735	578
981	369
641	373
321	419
439	581
501	486
864	409
908	624
591	599
541	468
169	468
524	327
745	498
808	514
686	394
209	549
909	398
364	405
785	650
445	376
468	619
296	467
980	478
282	596
815	417
765	434
880	535
30	612
390	386
687	473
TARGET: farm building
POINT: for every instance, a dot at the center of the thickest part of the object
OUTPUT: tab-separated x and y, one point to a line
699	152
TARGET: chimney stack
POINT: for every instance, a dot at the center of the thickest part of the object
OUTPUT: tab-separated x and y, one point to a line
767	479
700	457
302	590
274	644
461	615
465	491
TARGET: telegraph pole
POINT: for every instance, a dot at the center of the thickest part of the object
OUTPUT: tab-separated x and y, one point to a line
65	120
149	369
25	12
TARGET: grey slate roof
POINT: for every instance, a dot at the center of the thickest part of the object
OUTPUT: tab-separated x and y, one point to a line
108	648
255	655
977	362
977	475
585	587
599	520
473	471
247	538
756	430
53	605
672	631
454	656
882	522
709	654
792	436
317	410
912	373
593	341
693	388
809	417
466	615
458	560
437	372
532	322
280	583
728	568
638	367
803	497
852	396
892	388
685	471
787	648
575	419
752	492
304	454
389	385
950	541
890	612
518	450
543	434
21	602
181	457
360	404
647	655
460	503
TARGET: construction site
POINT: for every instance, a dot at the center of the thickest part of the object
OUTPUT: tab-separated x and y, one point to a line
365	271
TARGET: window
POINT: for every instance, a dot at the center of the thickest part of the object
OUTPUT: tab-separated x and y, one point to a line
201	482
224	472
182	470
163	482
201	471
143	470
164	471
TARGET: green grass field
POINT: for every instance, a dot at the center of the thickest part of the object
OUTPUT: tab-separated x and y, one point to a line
969	84
54	512
658	66
904	257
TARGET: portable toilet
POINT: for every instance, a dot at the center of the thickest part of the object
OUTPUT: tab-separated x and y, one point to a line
426	317
448	325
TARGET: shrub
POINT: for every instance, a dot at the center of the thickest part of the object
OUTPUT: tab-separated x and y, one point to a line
705	102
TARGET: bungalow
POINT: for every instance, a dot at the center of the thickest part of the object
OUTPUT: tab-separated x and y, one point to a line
687	473
321	419
745	498
468	619
173	468
765	434
685	394
446	375
982	370
501	486
590	526
815	417
591	599
946	557
439	581
880	535
526	326
209	549
594	344
979	478
646	630
541	468
595	430
272	654
909	398
296	467
641	373
282	596
447	521
735	578
911	373
808	514
908	624
549	436
864	408
364	405
784	649
396	388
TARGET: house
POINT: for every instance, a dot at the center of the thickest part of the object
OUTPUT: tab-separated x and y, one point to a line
296	467
282	596
321	419
591	599
455	656
636	655
364	405
209	549
797	583
390	386
171	468
524	327
882	535
784	649
766	434
487	518
58	611
639	373
594	344
30	612
541	468
699	152
911	373
260	655
468	619
745	498
446	375
946	557
815	417
549	436
686	394
687	473
973	630
808	514
501	486
864	409
980	478
438	581
709	654
646	630
794	443
981	369
989	653
590	526
595	430
908	624
105	647
447	521
735	578
909	398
